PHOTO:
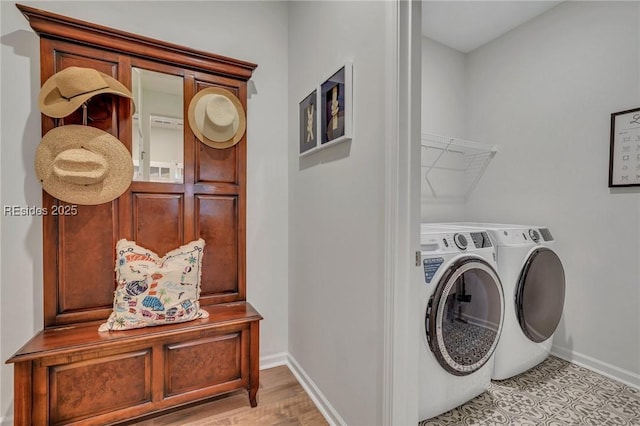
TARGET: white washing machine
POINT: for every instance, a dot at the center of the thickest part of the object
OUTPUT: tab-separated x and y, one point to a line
533	280
462	314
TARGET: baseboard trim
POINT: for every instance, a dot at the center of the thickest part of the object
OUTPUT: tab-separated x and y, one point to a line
324	406
274	360
625	376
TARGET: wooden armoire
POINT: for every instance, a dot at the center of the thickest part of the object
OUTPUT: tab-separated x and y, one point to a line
69	373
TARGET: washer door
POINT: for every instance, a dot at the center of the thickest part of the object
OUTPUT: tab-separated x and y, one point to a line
464	316
540	294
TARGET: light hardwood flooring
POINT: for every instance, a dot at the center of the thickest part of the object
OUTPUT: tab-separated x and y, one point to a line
281	401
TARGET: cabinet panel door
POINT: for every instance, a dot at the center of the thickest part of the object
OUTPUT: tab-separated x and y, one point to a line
87	258
217	224
203	363
88	388
158	222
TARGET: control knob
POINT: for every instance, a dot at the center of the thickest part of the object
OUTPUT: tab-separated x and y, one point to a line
460	241
535	236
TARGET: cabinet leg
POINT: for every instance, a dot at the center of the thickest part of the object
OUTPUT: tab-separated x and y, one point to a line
254	367
253	393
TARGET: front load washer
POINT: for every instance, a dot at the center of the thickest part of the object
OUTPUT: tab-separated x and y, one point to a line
461	317
533	280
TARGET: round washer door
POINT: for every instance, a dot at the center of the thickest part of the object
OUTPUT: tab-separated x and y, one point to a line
464	316
540	294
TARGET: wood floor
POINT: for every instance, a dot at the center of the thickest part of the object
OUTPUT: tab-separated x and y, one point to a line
281	401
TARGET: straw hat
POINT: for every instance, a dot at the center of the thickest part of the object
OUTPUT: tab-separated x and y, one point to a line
67	90
217	117
83	165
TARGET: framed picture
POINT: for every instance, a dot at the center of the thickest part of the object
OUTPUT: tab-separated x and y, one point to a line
336	107
624	155
309	123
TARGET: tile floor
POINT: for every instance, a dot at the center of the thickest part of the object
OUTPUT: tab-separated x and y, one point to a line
555	393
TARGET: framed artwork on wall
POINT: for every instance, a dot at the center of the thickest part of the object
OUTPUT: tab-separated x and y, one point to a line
336	107
309	123
624	154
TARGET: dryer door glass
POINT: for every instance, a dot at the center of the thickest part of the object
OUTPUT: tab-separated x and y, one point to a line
465	316
540	295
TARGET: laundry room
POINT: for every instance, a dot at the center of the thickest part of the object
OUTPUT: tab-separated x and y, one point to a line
517	101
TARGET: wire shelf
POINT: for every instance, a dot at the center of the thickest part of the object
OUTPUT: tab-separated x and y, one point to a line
452	167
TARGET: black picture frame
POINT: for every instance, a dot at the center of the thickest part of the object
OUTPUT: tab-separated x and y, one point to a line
336	107
624	151
309	123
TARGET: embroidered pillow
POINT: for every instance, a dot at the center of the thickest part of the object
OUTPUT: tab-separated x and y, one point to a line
154	291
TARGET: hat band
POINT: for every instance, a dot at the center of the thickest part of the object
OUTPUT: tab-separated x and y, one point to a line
83	93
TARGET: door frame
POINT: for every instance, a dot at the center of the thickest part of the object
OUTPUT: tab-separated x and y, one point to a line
402	213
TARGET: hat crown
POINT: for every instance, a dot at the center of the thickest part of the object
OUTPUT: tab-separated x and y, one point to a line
220	118
74	81
220	111
80	166
83	165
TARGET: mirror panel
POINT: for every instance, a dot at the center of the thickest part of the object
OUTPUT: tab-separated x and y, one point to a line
158	126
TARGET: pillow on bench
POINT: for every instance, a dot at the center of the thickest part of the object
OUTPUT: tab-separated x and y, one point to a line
153	290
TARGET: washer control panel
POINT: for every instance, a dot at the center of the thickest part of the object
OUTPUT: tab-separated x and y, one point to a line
455	242
435	247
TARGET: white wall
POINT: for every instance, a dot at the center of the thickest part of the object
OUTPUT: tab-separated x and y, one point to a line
166	145
544	93
444	95
251	31
444	113
163	146
336	211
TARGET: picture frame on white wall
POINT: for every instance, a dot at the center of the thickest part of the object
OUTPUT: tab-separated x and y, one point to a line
624	154
308	123
336	107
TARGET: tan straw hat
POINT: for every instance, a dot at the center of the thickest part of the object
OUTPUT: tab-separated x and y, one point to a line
217	117
83	165
67	90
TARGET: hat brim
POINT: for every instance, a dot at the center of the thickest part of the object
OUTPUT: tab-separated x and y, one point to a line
52	104
117	180
242	119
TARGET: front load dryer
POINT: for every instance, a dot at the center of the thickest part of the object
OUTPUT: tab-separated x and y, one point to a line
533	280
461	319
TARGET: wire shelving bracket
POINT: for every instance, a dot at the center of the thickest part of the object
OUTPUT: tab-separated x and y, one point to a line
452	167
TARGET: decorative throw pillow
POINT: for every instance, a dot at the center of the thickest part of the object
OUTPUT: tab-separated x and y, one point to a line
154	291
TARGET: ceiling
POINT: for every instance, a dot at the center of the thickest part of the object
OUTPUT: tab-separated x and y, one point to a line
466	25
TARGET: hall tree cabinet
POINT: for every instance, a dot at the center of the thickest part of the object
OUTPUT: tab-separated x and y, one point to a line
69	373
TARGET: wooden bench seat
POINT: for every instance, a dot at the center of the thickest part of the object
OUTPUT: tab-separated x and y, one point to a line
76	375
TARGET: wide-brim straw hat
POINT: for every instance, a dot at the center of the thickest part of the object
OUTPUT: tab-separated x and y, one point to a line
217	118
67	90
83	165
